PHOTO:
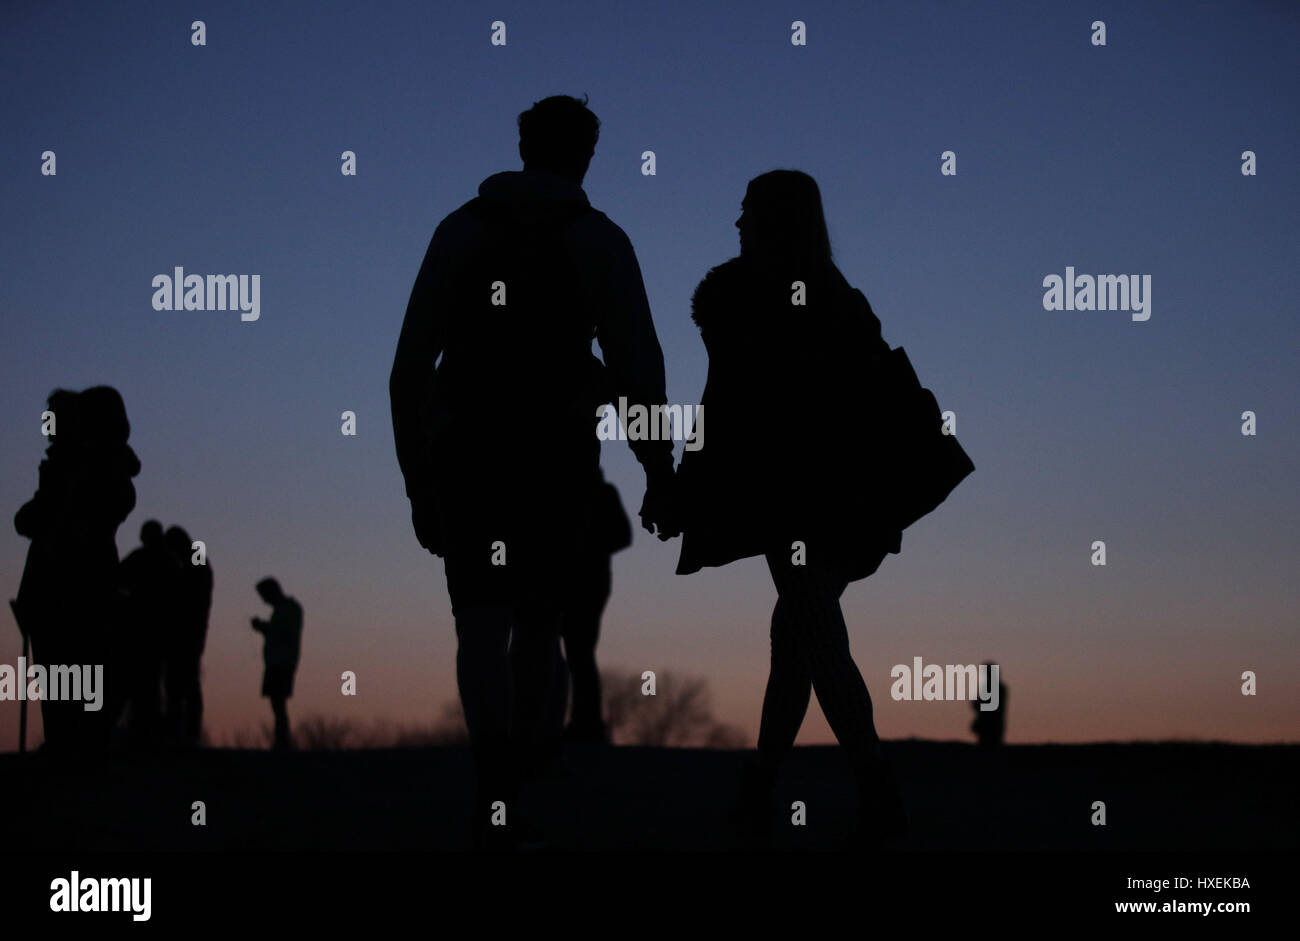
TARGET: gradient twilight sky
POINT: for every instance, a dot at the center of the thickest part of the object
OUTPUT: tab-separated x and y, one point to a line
1083	425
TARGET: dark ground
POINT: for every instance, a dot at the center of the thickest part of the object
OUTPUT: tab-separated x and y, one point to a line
1167	797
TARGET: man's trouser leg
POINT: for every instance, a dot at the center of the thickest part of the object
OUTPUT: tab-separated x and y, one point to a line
539	670
483	675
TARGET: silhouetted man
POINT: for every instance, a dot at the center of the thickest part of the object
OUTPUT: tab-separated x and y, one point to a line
185	638
496	442
283	635
149	575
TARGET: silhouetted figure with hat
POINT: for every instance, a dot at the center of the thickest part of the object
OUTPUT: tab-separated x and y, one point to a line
493	425
186	637
280	651
69	605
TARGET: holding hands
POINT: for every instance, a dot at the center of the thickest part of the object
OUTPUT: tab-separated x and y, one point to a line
661	507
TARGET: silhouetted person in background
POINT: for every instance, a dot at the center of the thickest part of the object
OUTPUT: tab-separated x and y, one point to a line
990	727
149	575
785	475
495	438
283	634
580	626
68	601
576	669
610	532
185	638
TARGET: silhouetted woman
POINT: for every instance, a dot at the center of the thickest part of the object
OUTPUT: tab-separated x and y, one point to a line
784	472
69	601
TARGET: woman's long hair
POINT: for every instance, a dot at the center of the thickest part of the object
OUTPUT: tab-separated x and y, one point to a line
785	209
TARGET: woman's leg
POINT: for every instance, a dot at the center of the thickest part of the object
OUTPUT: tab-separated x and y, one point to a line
811	596
789	690
785	702
812	593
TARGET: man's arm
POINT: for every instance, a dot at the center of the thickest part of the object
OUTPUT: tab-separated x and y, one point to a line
635	362
411	387
410	384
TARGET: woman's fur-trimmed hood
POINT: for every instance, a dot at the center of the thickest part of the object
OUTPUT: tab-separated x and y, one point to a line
738	291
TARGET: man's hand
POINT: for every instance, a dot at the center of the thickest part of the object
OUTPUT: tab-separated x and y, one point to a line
428	526
660	508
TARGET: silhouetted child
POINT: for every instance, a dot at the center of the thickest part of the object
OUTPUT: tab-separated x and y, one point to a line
68	601
185	638
283	635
